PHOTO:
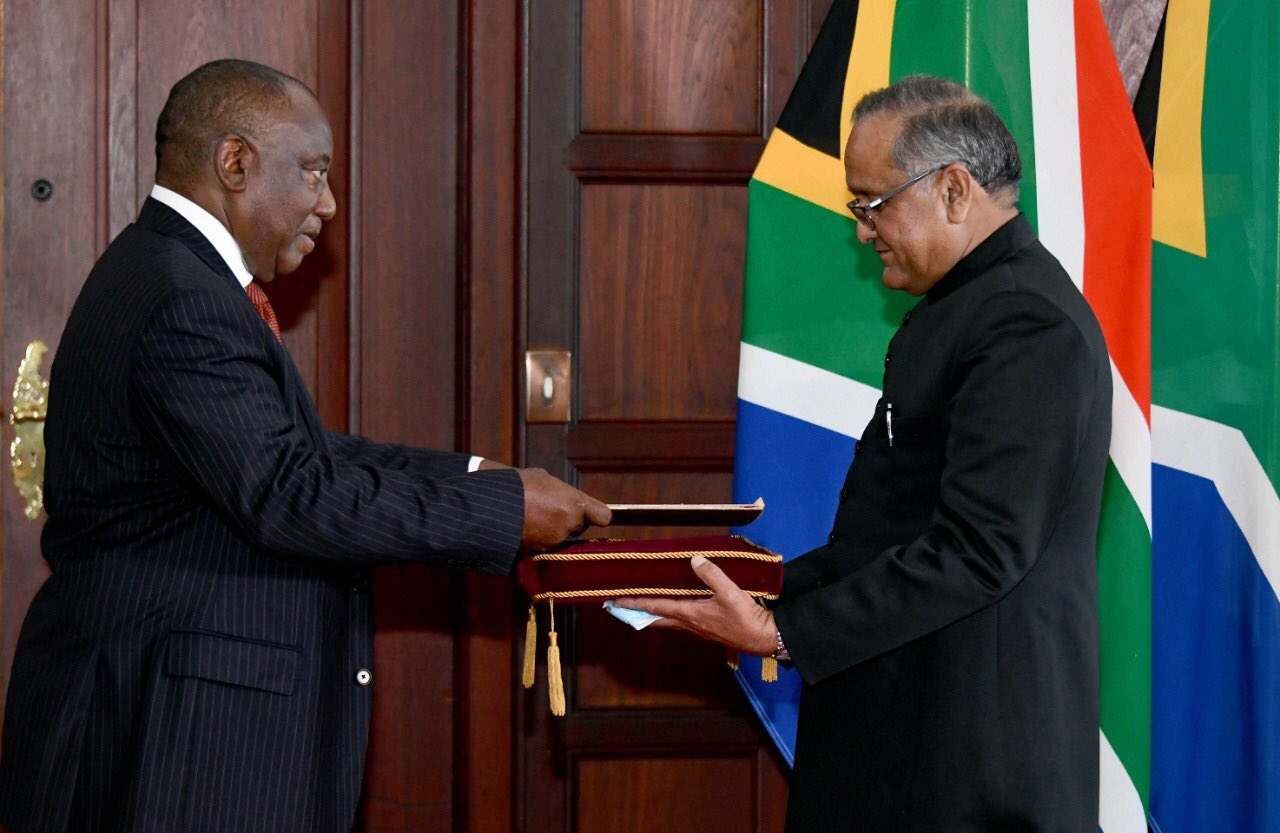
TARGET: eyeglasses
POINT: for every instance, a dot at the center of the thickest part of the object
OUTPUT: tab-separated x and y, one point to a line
867	213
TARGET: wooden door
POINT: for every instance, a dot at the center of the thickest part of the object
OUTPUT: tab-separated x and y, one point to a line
644	122
84	81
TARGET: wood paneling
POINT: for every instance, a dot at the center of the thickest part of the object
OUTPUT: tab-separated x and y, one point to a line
409	777
645	121
641	795
643	446
661	300
617	668
408	261
643	486
406	289
485	687
671	66
52	130
462	200
619	156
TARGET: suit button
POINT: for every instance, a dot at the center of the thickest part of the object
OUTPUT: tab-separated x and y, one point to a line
906	316
886	359
857	446
831	539
844	495
364	676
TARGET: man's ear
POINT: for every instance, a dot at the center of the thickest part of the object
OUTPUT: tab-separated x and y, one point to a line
235	160
958	190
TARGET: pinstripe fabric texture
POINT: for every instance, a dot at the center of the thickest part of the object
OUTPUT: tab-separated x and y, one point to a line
191	663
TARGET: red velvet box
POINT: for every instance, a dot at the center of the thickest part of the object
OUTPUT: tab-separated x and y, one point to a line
600	569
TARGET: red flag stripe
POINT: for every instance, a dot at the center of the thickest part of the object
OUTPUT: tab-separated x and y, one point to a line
1116	183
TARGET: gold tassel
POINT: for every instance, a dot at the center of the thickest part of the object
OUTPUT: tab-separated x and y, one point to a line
731	657
769	669
555	680
530	647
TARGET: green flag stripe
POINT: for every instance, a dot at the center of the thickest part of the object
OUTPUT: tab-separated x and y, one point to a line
1124	618
990	58
812	293
1215	320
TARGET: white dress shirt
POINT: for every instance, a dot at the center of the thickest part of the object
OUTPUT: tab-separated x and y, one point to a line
218	235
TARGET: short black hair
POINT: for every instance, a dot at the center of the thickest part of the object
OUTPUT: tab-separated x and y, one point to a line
212	101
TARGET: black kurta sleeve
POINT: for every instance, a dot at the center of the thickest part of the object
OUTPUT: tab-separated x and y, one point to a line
1017	409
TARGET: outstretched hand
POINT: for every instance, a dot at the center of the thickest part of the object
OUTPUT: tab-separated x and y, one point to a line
731	617
554	510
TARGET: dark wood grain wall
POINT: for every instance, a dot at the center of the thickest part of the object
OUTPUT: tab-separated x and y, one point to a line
409	320
402	322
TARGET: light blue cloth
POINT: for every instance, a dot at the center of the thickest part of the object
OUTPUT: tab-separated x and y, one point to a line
637	619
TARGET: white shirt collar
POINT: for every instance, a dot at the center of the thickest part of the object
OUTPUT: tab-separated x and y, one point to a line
215	232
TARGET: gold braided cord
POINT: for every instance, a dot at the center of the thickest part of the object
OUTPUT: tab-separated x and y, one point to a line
603	556
637	591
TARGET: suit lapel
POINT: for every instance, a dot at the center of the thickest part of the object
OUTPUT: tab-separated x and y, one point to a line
162	219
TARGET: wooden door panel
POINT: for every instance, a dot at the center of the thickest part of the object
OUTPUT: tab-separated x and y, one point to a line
671	66
644	122
658	487
52	121
617	668
641	795
661	300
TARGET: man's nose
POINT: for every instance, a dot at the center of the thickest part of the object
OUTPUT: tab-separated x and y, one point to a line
865	232
328	206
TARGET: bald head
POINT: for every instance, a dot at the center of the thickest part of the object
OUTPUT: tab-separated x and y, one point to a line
217	99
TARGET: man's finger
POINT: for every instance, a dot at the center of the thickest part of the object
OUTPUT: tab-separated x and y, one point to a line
670	608
597	512
713	577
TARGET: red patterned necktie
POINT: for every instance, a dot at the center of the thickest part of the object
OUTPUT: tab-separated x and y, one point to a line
263	305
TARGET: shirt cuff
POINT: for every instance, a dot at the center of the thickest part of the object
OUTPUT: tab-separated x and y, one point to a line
474	465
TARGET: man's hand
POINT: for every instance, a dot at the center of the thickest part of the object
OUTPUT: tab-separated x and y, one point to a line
554	510
731	617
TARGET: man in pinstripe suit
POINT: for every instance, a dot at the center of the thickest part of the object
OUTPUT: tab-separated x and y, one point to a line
199	659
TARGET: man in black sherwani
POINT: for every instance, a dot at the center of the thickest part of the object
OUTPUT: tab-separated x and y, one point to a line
947	633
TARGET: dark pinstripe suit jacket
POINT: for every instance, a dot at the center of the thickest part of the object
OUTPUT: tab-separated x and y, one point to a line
191	664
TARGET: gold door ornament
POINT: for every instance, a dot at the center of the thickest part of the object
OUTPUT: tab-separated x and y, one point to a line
26	453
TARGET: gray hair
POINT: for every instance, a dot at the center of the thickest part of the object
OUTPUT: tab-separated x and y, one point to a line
944	122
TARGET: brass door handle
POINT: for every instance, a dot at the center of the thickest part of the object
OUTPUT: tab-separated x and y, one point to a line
26	452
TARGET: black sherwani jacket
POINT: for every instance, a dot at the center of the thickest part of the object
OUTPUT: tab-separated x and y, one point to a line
947	634
194	662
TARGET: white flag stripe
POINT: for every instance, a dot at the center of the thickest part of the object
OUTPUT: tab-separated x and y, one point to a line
1131	444
1120	807
1222	454
805	392
1055	115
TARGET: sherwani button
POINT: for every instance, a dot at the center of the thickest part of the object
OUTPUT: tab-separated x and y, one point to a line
364	676
831	539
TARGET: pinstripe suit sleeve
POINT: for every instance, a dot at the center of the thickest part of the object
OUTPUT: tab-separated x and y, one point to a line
205	386
420	461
